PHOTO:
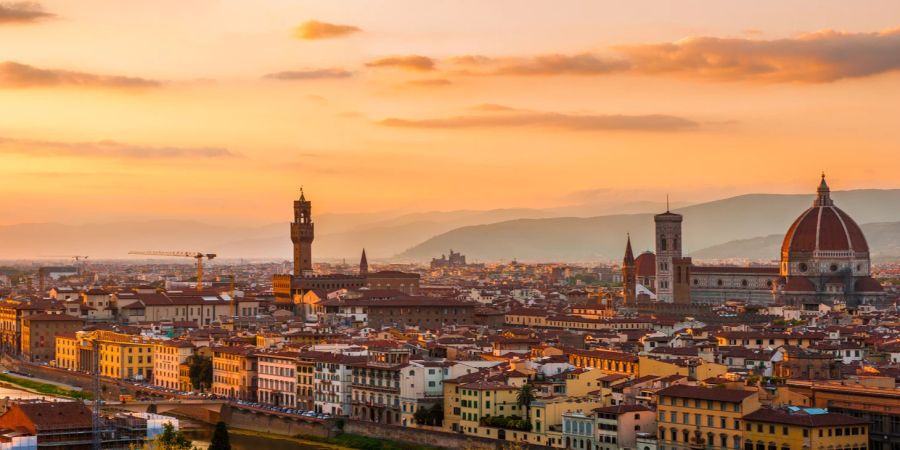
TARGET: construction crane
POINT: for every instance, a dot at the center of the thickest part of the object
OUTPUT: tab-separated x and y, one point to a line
97	392
196	255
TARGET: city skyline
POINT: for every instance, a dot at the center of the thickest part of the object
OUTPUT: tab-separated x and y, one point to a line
221	111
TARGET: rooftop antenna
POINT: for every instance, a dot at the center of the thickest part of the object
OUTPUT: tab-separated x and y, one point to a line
667	202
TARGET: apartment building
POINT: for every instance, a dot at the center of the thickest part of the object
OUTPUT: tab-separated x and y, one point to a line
691	416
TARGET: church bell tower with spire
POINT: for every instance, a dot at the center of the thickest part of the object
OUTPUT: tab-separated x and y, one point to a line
363	264
629	278
302	233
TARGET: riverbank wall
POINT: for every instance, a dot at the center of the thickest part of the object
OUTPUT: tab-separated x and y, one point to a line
433	438
273	424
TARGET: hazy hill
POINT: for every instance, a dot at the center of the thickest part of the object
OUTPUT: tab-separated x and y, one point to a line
603	237
502	234
338	235
883	239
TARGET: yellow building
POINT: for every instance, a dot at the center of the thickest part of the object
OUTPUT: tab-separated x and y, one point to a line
67	352
124	356
605	360
698	369
486	398
690	417
798	429
581	382
184	377
234	372
481	402
168	356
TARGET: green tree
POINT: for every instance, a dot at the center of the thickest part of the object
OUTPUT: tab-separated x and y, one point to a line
524	398
436	414
171	439
200	371
220	439
421	416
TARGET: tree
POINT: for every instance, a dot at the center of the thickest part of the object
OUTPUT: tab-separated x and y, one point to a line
524	398
436	414
171	439
200	371
421	416
220	439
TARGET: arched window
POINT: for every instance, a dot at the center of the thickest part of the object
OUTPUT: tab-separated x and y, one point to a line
662	242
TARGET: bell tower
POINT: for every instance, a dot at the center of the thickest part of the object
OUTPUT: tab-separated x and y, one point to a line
302	233
363	264
668	248
629	278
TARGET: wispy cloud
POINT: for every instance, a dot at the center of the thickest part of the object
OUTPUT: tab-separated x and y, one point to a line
429	82
554	64
498	116
313	30
108	149
22	12
819	57
408	62
311	74
17	75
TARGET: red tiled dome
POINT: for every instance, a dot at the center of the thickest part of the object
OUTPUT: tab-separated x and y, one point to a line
645	265
824	227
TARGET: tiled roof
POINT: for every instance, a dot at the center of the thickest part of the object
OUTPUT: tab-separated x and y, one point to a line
701	393
779	416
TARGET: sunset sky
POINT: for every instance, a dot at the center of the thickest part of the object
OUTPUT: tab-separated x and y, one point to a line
219	110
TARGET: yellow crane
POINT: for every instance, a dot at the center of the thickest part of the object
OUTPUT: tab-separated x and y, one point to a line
196	255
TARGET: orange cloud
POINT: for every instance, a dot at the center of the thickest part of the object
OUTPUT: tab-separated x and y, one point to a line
499	116
429	82
818	57
410	62
554	64
314	29
22	12
16	75
107	149
313	74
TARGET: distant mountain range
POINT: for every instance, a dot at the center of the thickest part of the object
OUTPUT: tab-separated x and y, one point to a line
747	226
602	238
883	239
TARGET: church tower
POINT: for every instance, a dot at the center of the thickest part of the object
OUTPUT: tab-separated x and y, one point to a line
629	277
668	247
302	233
363	264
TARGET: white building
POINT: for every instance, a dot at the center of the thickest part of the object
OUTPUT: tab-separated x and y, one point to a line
332	383
277	374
